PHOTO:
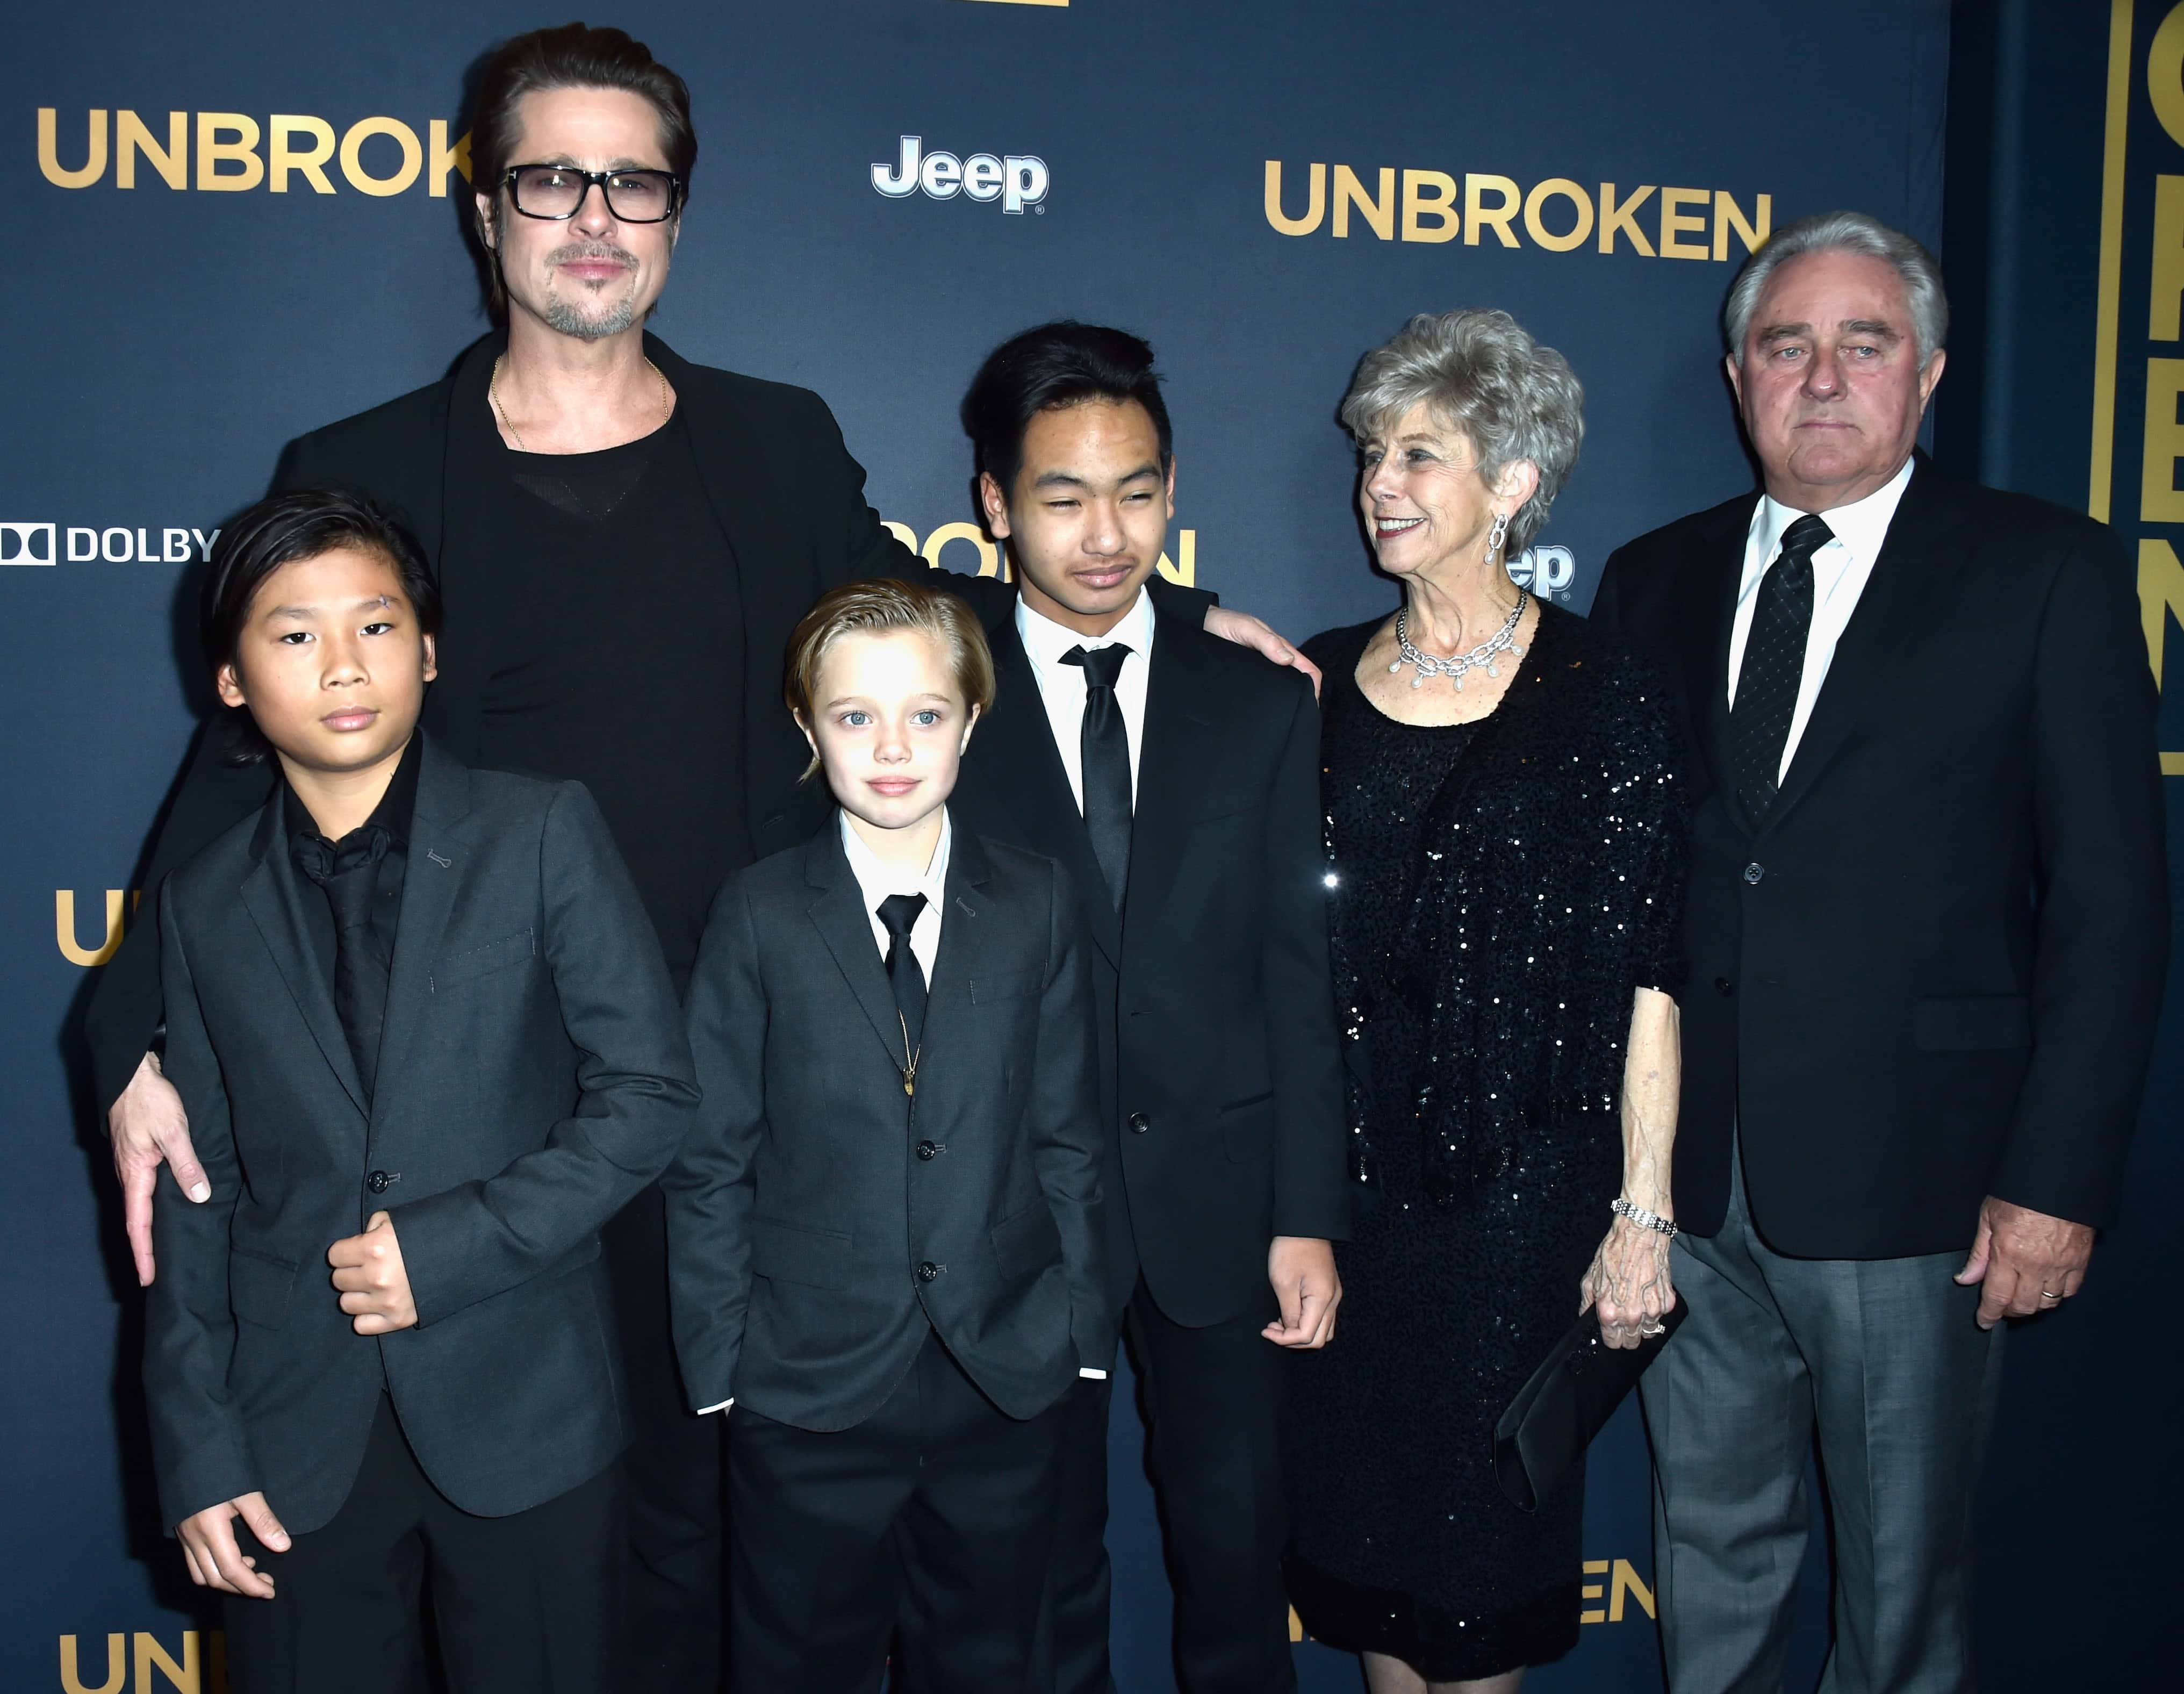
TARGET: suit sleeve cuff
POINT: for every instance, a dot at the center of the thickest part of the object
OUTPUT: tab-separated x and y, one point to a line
1090	1375
707	1411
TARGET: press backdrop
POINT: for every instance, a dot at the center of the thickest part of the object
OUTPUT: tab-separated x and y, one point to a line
233	222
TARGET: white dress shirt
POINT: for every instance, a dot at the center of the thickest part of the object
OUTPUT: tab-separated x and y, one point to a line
1840	570
1062	687
875	883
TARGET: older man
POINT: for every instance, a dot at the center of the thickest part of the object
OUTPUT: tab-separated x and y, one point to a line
1927	924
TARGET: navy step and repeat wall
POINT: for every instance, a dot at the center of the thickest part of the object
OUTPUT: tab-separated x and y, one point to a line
233	222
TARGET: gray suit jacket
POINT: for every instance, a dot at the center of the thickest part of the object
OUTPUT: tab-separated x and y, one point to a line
818	1219
534	1077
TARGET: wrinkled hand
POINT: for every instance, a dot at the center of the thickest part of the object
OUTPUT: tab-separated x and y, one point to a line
2026	1261
149	1128
1630	1286
1301	1268
216	1561
1246	631
375	1287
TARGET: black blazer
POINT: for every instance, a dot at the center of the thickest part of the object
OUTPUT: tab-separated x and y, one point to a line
790	502
533	1076
1933	973
819	1220
1220	1077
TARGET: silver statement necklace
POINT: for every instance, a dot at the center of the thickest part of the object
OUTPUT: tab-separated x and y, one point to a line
1456	665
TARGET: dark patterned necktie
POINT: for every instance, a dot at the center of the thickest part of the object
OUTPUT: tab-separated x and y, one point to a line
1773	668
898	912
1105	743
348	870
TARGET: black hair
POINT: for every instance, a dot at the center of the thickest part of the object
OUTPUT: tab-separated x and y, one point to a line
281	529
572	56
1056	364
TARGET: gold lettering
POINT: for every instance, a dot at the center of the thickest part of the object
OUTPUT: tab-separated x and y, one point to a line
352	156
1623	217
130	137
445	158
151	1655
2164	74
49	163
2162	310
281	158
2159	500
1186	573
1674	223
65	929
117	1668
2160	597
1726	216
990	556
1625	1582
1379	212
1535	226
1593	1591
242	151
901	532
1315	200
1477	214
1418	205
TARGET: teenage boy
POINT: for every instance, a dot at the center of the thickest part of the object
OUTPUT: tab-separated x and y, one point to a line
1177	778
885	1233
427	1042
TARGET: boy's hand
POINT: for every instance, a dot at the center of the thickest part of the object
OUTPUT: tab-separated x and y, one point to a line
374	1288
1306	1283
208	1539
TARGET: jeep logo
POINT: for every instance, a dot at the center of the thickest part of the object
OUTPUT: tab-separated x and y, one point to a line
1016	180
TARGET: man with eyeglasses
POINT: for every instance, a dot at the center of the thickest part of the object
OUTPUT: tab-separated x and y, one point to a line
623	542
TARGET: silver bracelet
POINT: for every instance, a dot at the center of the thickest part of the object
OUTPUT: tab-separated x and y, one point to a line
1643	1218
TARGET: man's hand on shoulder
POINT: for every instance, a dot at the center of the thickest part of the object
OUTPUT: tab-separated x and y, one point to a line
374	1284
149	1127
1301	1268
2026	1262
1246	631
216	1561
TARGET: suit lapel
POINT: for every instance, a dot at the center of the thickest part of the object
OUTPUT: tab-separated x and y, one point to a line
1172	767
1714	576
274	900
969	942
1014	748
438	860
1916	568
837	913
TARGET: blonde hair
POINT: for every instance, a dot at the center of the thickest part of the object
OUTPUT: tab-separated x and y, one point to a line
878	608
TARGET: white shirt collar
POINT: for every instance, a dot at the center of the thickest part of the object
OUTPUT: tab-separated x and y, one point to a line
1861	527
1046	641
877	881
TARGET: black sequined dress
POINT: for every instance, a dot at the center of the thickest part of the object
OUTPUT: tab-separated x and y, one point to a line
1499	890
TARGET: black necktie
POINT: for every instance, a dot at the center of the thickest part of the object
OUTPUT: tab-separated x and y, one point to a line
348	870
898	912
1774	667
1105	743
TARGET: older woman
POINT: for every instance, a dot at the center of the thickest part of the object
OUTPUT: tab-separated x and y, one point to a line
1505	832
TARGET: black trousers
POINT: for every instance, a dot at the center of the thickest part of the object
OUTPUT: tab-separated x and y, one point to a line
671	1477
1213	1403
524	1604
934	1518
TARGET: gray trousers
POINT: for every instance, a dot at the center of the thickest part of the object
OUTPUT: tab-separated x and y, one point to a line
1882	1360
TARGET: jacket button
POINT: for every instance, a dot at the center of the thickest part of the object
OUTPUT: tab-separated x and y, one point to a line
379	1182
929	1271
1753	872
1723	986
1139	1123
927	1150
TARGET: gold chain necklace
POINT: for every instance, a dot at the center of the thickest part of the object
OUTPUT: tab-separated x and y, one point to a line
493	393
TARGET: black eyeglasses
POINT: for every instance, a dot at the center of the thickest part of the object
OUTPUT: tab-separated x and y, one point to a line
557	191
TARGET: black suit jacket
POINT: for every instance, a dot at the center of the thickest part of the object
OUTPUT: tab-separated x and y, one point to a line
790	502
819	1220
1220	1077
1933	972
532	1077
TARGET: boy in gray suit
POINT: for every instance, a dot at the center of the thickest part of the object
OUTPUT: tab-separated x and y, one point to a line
427	1040
884	1234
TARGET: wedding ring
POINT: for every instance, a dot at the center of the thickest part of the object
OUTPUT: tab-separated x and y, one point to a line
2045	1295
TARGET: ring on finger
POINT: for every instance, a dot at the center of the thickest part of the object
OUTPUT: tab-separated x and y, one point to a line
2050	1293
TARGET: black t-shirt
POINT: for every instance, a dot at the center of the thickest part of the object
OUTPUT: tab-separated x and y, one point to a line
616	657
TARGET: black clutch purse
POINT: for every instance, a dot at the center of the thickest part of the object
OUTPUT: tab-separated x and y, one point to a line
1555	1415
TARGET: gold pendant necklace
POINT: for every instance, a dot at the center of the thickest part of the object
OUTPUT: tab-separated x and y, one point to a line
492	394
909	1069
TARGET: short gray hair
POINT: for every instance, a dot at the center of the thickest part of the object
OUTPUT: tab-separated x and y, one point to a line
1842	233
1477	368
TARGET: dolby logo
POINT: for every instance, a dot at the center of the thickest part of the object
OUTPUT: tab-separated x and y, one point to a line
1016	180
48	543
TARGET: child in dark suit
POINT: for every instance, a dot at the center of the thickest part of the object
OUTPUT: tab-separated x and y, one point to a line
427	1044
884	1234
